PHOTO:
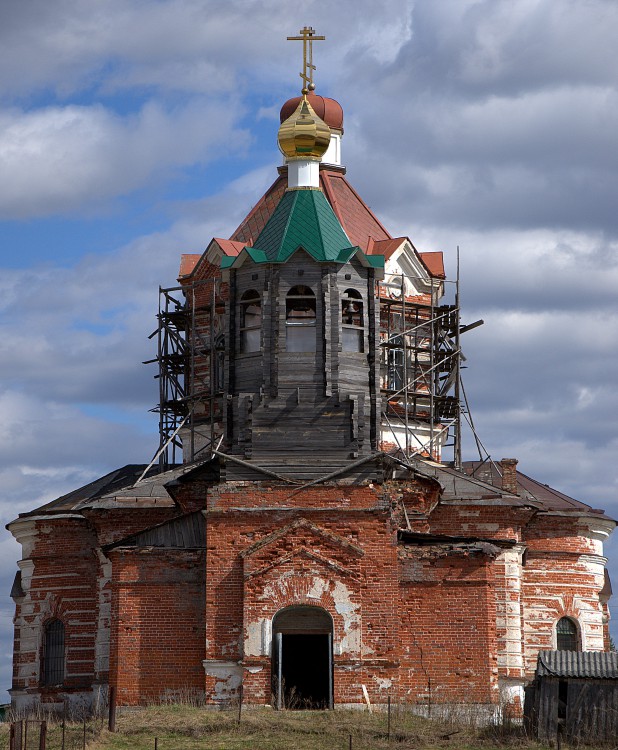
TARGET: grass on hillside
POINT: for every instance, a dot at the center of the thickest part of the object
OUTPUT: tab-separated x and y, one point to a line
182	727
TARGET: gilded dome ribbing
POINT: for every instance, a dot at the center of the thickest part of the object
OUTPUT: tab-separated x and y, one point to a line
304	135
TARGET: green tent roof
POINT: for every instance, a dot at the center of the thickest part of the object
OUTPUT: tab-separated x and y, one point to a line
303	218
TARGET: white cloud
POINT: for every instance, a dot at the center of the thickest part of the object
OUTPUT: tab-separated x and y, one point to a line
59	159
483	123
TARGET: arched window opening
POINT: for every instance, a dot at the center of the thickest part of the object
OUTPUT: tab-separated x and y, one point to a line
53	653
250	321
566	635
219	365
300	313
352	323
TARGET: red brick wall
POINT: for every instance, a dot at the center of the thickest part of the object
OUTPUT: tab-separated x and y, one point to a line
157	640
448	632
63	586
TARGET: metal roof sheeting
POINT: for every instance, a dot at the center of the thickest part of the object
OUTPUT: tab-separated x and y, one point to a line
600	665
303	218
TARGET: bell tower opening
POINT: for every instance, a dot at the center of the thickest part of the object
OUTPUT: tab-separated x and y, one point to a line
302	658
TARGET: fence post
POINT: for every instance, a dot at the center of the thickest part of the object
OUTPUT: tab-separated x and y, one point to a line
239	702
64	723
43	736
84	740
388	730
12	737
111	725
24	735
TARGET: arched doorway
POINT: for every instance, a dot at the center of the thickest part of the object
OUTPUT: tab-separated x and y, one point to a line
302	658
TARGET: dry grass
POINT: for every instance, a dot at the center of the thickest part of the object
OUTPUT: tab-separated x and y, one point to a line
183	727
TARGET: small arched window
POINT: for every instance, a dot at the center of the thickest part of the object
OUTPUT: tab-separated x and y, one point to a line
250	321
300	312
352	322
566	635
53	653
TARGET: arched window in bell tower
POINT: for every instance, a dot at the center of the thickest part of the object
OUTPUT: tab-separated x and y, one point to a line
250	321
566	635
352	322
300	312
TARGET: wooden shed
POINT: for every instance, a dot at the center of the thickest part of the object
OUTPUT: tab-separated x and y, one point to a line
574	693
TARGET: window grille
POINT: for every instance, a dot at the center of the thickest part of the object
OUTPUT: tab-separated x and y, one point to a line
53	653
566	635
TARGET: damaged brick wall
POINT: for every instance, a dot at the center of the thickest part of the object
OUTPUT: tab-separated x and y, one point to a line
447	631
157	639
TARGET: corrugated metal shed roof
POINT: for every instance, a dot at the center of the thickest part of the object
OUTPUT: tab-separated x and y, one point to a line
600	665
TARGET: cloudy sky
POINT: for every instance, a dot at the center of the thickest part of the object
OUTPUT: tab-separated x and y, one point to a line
132	131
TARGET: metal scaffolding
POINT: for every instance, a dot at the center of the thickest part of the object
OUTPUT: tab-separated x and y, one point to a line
419	369
420	364
190	357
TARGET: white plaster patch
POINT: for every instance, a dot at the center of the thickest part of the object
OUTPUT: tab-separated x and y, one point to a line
257	638
228	678
318	587
383	683
351	642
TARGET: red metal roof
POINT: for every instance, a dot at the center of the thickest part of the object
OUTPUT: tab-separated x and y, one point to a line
385	247
230	247
434	262
254	222
357	219
187	264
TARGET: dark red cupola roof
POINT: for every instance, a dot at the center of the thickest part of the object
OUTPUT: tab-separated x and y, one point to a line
326	109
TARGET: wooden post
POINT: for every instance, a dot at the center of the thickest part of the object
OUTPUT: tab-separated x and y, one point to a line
12	737
388	724
350	748
239	702
43	736
156	747
24	735
64	723
111	724
84	739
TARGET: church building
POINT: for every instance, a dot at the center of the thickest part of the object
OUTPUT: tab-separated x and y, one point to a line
301	533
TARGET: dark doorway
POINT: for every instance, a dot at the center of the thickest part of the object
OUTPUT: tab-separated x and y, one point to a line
302	658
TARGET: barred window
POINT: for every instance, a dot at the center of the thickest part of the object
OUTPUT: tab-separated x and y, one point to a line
53	653
566	635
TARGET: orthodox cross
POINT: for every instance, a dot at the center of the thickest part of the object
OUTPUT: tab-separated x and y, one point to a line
307	37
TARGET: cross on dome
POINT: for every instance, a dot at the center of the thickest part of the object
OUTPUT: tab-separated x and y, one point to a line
308	36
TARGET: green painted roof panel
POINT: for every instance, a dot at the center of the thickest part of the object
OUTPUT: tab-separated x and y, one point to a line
303	218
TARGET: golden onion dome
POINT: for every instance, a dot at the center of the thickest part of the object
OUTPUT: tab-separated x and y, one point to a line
304	135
